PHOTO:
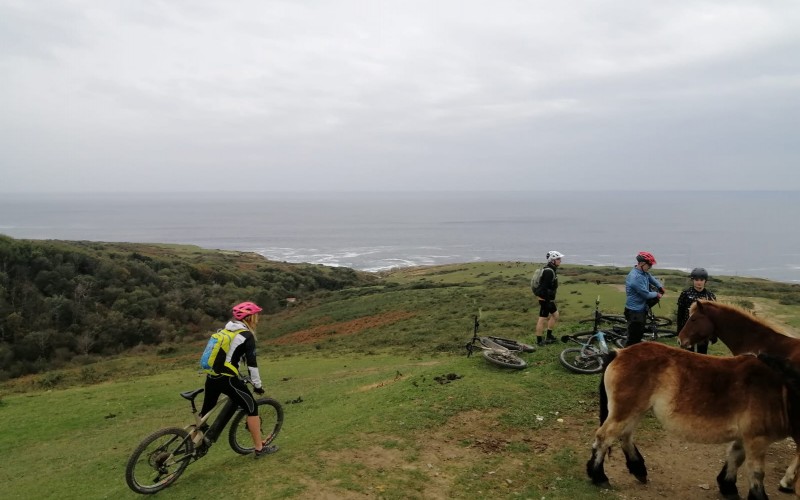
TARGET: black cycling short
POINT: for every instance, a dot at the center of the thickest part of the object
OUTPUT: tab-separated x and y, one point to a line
546	308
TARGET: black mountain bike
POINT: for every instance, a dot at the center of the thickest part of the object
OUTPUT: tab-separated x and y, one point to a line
615	327
588	358
161	457
655	326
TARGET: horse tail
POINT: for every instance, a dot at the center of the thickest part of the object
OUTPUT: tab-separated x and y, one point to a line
607	359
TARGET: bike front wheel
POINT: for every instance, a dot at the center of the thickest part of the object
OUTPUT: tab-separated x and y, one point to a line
585	360
159	460
504	359
270	414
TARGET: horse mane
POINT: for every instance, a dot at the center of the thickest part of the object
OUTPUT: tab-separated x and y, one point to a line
746	314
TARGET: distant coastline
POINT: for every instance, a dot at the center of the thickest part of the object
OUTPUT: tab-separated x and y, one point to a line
728	233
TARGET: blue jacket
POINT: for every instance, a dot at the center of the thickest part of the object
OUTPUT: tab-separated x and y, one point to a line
637	289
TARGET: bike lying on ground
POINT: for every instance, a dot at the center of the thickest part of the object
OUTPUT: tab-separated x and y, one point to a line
162	457
497	350
656	327
588	358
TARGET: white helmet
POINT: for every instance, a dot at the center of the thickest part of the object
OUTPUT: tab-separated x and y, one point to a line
553	255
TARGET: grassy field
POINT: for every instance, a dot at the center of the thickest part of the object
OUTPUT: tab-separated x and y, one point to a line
375	418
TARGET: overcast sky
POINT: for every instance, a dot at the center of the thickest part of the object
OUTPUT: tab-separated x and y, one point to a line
121	95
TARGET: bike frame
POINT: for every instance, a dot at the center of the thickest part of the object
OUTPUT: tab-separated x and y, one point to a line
227	409
484	343
601	342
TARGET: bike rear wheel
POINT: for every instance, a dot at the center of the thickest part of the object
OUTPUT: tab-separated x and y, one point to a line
614	319
504	359
159	460
271	420
584	360
513	344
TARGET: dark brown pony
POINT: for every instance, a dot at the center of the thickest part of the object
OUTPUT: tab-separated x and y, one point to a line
741	331
705	399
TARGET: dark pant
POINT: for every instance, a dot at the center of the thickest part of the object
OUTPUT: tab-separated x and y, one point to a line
636	320
234	388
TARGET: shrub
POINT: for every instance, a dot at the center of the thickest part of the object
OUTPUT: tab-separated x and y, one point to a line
51	379
89	375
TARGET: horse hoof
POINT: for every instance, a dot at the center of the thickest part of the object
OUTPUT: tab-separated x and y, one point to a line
641	479
784	489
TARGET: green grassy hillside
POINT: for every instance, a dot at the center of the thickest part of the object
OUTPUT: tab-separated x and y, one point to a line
375	419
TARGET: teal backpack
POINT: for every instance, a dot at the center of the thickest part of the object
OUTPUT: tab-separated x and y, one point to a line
213	358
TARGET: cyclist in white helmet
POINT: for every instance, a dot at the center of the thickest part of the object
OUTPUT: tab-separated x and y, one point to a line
546	293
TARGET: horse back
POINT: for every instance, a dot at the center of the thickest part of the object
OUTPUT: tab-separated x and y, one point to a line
702	398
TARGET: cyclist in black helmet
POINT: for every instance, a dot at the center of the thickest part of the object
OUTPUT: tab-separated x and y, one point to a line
697	291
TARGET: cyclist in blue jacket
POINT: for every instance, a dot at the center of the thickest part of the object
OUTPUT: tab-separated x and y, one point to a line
641	290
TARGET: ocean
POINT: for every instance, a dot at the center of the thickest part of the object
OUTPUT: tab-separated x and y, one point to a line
728	233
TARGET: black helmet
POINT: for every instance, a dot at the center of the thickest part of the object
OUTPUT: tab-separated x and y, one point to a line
700	273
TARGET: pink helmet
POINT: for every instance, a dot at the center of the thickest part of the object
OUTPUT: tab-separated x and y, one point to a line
245	309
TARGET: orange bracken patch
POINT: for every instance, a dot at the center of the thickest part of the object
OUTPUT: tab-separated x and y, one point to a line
342	328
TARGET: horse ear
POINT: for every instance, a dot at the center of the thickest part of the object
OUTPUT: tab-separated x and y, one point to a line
698	305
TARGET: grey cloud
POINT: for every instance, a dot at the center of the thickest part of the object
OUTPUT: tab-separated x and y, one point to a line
449	95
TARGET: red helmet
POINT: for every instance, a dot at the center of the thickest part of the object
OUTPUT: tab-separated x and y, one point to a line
646	257
245	309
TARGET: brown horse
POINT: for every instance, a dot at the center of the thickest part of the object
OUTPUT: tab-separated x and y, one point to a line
736	328
743	333
700	398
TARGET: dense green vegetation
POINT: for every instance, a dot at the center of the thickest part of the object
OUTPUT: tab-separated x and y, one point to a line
66	302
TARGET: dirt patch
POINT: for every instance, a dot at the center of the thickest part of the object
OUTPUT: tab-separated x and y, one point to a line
676	469
341	329
398	376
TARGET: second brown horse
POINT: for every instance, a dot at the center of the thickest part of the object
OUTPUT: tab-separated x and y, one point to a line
698	398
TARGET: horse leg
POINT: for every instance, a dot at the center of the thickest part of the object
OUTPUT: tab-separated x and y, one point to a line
594	467
787	482
603	439
755	450
633	459
726	479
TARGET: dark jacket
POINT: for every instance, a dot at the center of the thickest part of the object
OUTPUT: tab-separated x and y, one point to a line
548	283
686	299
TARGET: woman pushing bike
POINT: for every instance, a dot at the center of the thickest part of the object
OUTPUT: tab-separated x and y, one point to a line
238	340
638	292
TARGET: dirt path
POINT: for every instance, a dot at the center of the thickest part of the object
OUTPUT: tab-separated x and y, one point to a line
677	470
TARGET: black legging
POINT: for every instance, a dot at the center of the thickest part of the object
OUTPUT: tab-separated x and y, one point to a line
636	328
234	388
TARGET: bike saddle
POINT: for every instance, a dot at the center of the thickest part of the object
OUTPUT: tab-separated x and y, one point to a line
190	395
